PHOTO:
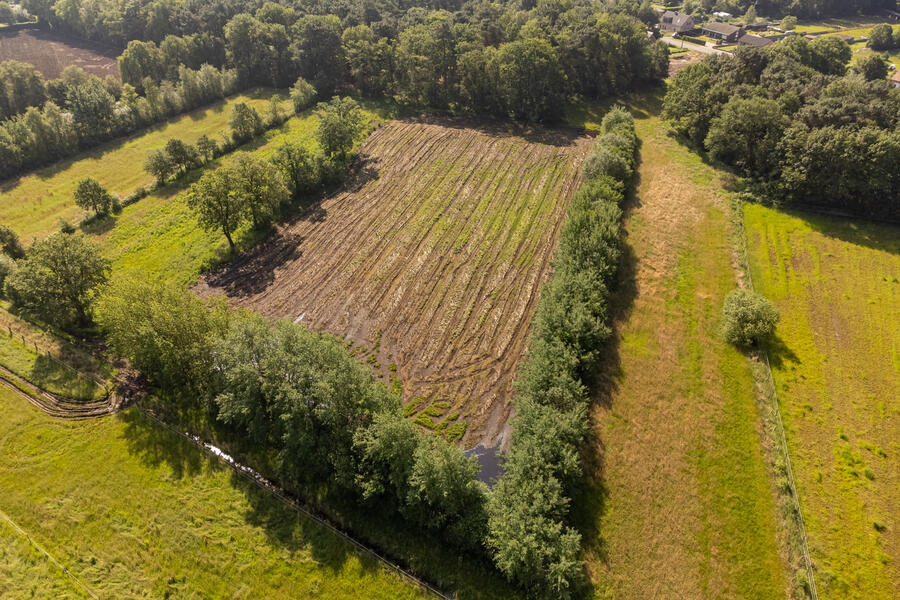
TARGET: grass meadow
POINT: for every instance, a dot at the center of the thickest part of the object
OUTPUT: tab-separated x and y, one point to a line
33	204
836	364
682	504
134	511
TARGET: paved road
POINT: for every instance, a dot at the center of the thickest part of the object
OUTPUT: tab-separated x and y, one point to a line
695	47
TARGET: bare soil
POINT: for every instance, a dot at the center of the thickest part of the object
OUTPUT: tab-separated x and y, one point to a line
428	263
52	52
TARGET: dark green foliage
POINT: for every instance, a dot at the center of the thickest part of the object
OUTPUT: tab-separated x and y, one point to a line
159	164
182	156
748	318
207	148
219	203
90	195
10	244
301	170
260	184
881	37
790	117
529	536
21	86
7	267
340	122
58	279
245	122
303	94
165	331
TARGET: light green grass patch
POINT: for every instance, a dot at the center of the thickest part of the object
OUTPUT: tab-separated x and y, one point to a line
136	512
835	361
33	204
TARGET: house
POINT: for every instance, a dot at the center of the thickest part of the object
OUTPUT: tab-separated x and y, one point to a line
722	31
754	40
676	21
895	79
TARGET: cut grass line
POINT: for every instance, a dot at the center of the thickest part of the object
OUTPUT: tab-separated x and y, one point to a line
48	555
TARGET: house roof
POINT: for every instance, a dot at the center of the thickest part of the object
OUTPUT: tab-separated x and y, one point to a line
721	28
677	18
754	40
896	76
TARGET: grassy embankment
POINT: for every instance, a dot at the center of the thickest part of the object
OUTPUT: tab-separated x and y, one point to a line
682	504
134	512
836	365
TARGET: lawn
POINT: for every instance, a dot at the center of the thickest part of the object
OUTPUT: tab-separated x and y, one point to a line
836	364
33	204
682	504
135	512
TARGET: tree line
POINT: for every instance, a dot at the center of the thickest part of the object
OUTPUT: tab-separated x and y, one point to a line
807	9
51	120
801	126
531	536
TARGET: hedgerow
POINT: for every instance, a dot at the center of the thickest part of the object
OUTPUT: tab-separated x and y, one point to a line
530	535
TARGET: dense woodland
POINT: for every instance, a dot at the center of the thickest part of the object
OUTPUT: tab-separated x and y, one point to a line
481	59
806	129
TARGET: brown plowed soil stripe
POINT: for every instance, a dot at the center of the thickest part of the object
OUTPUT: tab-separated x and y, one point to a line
437	249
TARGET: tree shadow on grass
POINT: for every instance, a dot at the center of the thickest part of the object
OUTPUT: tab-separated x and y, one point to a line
155	446
780	354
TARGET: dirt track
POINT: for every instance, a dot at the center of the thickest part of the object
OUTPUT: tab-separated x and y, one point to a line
429	262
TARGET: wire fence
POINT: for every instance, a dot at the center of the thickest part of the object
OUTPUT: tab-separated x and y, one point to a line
264	484
782	438
40	549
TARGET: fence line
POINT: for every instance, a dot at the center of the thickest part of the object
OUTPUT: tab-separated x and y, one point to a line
763	352
49	556
264	484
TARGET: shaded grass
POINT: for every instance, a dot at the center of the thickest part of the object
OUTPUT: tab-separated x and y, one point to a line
134	511
33	204
681	504
836	364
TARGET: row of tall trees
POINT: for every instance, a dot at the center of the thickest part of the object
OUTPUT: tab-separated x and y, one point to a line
55	119
792	118
800	8
531	535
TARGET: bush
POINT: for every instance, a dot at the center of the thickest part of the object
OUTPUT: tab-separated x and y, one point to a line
303	95
748	318
606	162
7	267
10	244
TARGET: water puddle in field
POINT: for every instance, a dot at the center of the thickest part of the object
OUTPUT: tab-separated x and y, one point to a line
491	462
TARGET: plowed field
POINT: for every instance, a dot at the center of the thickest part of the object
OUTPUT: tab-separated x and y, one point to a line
428	263
53	52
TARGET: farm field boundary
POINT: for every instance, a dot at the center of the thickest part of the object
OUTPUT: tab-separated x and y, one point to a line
259	481
428	263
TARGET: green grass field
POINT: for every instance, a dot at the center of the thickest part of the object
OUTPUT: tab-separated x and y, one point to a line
27	573
836	364
136	512
32	205
682	505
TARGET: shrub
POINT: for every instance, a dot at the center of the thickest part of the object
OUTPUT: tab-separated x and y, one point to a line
10	244
605	161
7	266
303	94
748	318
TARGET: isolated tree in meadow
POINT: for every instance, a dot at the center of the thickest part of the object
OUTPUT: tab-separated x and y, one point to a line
340	122
789	23
261	186
300	168
881	37
219	202
207	148
90	195
160	165
303	94
10	244
245	122
182	156
748	318
58	278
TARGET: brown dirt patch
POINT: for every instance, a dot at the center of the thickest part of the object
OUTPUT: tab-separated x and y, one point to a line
429	263
685	59
52	52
